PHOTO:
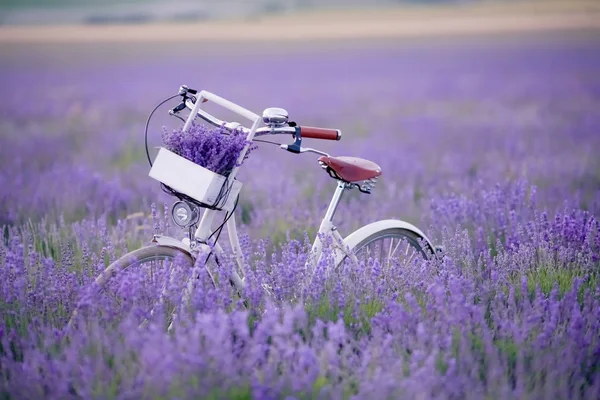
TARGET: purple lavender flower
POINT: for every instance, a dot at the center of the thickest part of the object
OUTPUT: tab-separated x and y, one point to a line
213	148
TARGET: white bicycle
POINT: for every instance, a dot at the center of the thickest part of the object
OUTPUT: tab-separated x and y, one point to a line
199	189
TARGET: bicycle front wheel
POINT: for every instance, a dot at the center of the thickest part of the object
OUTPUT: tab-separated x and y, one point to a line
148	284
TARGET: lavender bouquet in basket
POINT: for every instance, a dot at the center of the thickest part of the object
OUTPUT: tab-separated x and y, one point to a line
215	149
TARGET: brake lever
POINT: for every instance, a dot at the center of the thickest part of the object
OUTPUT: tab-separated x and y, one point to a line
301	150
183	92
176	109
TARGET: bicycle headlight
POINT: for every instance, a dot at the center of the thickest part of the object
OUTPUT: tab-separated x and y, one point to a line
184	215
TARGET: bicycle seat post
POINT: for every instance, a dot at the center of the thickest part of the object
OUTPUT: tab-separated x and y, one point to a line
335	201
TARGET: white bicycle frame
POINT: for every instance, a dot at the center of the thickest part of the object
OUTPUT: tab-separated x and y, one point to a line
327	230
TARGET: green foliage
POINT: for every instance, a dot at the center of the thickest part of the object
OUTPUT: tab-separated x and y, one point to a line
547	277
130	154
357	321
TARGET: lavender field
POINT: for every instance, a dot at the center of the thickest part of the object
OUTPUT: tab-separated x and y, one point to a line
489	145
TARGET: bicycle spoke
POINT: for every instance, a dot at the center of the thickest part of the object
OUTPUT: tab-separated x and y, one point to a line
396	248
390	251
411	257
388	248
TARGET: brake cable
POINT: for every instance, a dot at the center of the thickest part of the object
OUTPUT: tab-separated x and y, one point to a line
148	123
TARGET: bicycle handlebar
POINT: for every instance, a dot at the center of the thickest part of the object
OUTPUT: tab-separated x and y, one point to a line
204	115
309	132
320	133
228	105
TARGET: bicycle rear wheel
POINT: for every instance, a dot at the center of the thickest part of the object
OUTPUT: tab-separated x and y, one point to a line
383	261
145	285
393	244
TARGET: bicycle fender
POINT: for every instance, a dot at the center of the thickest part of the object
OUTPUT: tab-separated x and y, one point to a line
353	239
172	242
183	246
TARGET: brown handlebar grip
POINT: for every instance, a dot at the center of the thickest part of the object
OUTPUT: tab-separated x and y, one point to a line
320	133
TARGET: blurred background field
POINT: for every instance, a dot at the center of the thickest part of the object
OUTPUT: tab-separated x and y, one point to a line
177	21
143	11
99	11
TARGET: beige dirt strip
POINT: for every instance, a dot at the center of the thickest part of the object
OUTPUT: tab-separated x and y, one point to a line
306	28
